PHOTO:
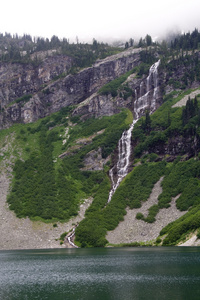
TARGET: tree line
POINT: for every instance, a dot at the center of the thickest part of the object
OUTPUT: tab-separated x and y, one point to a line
19	49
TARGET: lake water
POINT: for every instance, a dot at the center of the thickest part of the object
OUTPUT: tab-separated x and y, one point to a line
110	273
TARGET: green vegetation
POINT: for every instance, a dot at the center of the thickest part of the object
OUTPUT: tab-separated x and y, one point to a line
183	180
53	191
107	218
20	48
133	244
38	190
187	41
21	100
153	210
180	177
165	123
50	188
62	236
190	64
187	223
118	85
113	86
114	127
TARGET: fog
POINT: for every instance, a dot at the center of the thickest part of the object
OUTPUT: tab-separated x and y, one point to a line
104	20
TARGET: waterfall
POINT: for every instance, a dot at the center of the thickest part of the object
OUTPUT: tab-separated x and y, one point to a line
70	237
124	151
124	145
136	94
145	101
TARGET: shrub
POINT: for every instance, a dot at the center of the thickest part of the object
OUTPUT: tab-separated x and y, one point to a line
113	86
139	216
158	240
153	157
153	210
63	235
187	223
24	98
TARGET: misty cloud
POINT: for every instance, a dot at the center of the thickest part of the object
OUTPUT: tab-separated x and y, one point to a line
102	20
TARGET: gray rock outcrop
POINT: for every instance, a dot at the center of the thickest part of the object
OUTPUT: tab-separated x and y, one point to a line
56	94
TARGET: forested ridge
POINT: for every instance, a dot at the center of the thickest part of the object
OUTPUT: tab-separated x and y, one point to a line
51	177
27	49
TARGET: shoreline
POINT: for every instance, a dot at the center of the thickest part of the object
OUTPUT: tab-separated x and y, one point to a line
24	234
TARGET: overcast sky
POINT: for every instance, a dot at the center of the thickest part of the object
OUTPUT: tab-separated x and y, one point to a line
102	19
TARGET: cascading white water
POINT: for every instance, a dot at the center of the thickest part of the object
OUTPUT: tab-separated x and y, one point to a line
70	237
136	94
124	151
145	101
124	145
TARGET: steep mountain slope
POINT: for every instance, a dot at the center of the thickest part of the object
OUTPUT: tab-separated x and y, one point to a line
61	135
48	88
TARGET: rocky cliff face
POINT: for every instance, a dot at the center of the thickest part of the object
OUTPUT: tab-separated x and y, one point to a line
141	95
19	80
187	146
172	76
50	89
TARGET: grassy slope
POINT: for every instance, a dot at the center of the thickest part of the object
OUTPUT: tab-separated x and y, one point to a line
181	177
137	186
28	140
45	186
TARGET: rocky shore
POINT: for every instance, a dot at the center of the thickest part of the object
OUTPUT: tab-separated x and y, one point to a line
26	234
133	230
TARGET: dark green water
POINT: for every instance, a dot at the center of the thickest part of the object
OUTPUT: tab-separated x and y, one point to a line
119	273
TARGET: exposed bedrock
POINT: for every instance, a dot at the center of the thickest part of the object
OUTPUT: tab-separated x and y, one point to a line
56	94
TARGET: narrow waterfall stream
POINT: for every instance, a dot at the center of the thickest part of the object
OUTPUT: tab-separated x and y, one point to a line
69	238
124	145
124	152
